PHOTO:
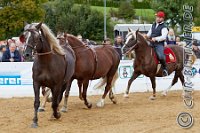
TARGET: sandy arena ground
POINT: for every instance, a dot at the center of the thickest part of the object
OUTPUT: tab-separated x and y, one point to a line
136	114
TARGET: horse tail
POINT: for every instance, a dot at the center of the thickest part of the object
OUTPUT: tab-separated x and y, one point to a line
193	57
103	81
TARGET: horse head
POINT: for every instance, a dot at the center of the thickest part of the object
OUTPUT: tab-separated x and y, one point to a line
131	41
32	39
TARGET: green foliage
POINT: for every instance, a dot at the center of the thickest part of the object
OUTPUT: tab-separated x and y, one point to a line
64	16
145	4
126	11
109	3
13	14
174	9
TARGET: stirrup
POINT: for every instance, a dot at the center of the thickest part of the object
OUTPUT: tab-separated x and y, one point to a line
165	73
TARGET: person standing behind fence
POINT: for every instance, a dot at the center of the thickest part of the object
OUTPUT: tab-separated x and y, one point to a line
171	38
118	45
2	50
11	54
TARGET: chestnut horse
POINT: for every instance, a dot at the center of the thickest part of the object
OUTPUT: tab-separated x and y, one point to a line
145	63
53	65
93	63
102	82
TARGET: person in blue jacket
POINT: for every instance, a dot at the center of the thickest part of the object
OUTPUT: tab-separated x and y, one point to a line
11	54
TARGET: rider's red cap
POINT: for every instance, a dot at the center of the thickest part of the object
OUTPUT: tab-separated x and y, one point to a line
160	14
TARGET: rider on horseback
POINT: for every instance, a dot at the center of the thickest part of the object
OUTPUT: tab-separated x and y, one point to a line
158	34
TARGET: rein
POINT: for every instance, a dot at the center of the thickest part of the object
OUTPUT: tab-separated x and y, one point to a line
77	46
133	47
45	53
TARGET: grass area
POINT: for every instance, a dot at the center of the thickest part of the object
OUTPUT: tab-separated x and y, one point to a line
148	14
144	13
101	9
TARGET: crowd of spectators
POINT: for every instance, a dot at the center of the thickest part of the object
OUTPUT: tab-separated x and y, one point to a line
11	50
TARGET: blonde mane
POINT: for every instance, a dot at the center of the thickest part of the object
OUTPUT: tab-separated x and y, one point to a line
55	46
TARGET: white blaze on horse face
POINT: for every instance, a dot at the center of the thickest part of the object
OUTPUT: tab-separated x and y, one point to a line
28	37
130	35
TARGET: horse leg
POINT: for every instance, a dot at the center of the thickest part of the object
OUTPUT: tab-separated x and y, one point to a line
46	94
153	83
64	108
56	93
80	83
174	81
84	94
133	77
112	97
36	87
181	77
107	88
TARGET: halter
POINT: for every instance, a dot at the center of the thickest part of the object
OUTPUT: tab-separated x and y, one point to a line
35	47
131	48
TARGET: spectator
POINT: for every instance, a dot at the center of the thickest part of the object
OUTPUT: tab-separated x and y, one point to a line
118	45
196	48
2	50
11	54
85	41
80	37
171	38
178	40
107	41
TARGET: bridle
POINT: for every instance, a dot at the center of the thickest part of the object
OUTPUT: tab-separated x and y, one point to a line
133	47
35	46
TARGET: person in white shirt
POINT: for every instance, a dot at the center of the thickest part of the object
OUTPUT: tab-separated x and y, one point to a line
158	33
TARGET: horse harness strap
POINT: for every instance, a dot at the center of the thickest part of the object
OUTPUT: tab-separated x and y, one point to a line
46	53
95	61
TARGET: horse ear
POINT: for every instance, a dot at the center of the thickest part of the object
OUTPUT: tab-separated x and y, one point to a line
129	29
136	33
25	23
38	26
65	35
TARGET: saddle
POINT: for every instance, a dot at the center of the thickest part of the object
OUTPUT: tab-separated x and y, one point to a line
169	56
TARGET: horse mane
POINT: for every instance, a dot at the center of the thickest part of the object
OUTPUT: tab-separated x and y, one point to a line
141	37
75	38
55	46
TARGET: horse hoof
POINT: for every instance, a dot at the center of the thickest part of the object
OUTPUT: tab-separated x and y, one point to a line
164	93
34	125
89	105
100	104
58	115
81	98
64	109
126	95
152	98
41	109
114	101
49	99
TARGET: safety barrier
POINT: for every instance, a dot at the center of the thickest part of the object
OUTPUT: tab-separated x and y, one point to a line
16	80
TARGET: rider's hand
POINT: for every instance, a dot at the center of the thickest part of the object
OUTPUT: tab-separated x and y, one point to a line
11	60
145	36
153	39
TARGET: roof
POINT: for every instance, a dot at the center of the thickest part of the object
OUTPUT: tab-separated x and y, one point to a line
124	27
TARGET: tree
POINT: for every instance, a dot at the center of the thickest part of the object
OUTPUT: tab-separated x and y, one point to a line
13	14
173	9
126	10
75	19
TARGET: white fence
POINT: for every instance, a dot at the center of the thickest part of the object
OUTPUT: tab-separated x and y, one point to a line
16	80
